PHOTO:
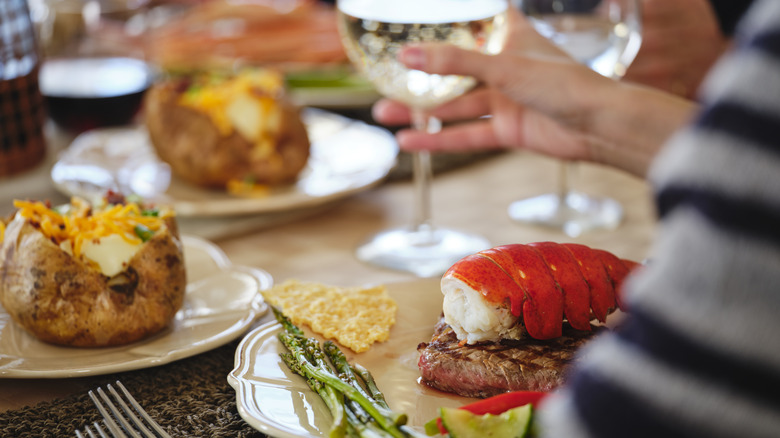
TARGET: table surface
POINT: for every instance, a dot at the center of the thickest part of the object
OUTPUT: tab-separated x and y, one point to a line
319	244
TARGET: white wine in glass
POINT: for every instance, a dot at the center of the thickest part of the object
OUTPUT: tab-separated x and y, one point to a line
605	35
373	31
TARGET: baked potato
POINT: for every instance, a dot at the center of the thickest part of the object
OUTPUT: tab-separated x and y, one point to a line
92	276
213	130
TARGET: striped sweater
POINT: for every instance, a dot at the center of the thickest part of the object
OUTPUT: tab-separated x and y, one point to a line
699	355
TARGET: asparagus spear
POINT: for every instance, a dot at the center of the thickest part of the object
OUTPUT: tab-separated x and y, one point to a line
333	400
370	384
345	373
288	326
307	359
386	418
366	429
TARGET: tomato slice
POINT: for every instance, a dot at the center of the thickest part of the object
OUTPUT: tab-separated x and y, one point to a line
504	402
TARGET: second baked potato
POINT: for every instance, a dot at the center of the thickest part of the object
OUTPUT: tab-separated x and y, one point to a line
215	129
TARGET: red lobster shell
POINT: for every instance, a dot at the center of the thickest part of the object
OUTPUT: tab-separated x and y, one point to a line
546	281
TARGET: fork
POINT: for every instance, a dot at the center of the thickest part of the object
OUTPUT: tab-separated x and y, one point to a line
133	426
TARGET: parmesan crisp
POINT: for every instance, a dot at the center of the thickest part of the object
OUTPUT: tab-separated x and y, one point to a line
355	317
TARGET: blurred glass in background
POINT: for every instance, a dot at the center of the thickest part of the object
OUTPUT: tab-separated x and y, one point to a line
95	68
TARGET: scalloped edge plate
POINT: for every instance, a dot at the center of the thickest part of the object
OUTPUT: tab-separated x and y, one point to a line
279	403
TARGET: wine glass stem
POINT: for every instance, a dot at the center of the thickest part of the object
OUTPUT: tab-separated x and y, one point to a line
563	180
422	172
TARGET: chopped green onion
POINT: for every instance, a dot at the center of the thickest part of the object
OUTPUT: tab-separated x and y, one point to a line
143	232
134	199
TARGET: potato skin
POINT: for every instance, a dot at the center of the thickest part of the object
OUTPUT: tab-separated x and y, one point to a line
196	151
61	300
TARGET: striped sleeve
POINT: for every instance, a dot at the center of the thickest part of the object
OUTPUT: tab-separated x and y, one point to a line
699	355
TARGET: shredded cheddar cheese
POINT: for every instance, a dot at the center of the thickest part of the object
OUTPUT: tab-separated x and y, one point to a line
248	189
246	103
79	223
355	317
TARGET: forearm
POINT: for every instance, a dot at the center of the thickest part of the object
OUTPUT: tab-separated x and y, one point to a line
628	124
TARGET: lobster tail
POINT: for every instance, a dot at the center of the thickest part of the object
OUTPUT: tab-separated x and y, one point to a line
544	282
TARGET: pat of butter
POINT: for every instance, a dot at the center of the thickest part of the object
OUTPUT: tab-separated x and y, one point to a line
111	253
246	115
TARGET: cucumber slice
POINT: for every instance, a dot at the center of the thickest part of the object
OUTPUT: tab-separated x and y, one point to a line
513	423
432	428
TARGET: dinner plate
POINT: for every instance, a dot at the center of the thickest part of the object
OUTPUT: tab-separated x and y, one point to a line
279	403
222	301
347	156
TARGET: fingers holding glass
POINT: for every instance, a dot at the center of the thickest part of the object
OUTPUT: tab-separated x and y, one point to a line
373	33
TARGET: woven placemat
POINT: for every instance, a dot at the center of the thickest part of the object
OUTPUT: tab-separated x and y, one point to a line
190	397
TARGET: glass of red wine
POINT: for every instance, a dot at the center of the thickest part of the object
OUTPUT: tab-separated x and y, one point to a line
94	72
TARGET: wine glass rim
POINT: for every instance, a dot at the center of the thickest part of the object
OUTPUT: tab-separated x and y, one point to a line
422	11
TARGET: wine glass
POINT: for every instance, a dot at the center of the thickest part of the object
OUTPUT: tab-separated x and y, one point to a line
372	32
605	35
95	70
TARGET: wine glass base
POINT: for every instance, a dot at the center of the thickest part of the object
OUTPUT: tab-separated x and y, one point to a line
427	252
574	214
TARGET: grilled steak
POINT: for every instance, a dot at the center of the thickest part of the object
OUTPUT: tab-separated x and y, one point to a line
488	368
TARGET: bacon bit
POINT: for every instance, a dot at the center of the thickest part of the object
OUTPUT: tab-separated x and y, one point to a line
115	198
182	85
83	224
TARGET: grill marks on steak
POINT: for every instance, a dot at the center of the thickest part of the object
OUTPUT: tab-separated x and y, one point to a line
488	368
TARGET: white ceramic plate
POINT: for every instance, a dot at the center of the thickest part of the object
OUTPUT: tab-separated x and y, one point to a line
347	156
279	403
222	301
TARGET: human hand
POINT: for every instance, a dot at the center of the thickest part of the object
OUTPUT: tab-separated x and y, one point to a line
536	97
529	72
681	40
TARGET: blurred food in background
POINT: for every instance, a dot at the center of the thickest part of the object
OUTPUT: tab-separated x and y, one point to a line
227	131
91	27
298	37
290	35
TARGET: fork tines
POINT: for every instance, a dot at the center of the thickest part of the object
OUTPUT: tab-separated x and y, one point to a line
89	434
120	419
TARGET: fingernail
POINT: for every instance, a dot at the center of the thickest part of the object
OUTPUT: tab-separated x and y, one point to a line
378	109
402	137
412	57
